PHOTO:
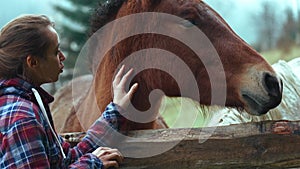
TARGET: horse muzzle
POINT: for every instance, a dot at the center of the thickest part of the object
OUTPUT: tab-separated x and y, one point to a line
267	96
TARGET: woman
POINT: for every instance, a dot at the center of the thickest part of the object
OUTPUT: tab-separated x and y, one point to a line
29	57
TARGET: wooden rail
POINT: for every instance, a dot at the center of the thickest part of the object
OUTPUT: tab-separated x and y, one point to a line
251	145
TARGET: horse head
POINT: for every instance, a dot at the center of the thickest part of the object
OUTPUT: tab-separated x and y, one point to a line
247	80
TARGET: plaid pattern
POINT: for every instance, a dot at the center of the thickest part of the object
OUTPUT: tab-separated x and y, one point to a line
26	140
114	119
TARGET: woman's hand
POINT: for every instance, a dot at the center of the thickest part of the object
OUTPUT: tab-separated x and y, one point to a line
109	157
120	97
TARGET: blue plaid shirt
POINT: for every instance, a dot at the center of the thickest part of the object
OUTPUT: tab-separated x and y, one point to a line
26	140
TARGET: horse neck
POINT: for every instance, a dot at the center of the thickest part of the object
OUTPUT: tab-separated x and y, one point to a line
92	106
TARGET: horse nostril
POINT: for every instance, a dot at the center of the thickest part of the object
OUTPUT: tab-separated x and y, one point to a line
272	86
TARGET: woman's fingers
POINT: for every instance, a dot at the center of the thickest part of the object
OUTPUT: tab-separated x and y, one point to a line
119	75
108	164
109	157
125	78
113	156
120	96
132	90
101	151
105	150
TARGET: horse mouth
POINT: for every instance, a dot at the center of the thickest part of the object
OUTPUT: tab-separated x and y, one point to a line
255	106
262	100
258	106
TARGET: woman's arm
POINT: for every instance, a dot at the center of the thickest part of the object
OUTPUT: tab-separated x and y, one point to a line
104	131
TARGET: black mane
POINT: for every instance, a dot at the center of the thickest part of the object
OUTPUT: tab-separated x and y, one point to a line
104	13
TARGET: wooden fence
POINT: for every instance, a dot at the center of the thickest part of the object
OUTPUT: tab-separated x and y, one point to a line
251	145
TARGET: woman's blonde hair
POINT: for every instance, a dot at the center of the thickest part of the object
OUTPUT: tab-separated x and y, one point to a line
23	36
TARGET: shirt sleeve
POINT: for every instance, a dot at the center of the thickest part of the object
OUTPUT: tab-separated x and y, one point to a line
87	161
112	115
79	156
104	132
22	146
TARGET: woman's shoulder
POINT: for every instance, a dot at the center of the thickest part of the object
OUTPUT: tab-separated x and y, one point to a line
14	108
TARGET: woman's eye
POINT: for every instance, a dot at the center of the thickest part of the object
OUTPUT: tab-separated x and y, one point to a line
57	52
188	23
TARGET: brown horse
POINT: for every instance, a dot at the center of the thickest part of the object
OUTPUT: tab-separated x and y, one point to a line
249	81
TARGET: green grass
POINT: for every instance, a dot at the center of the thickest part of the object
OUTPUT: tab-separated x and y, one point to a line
185	115
274	55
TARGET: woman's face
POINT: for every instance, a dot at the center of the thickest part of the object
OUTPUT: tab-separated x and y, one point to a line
50	66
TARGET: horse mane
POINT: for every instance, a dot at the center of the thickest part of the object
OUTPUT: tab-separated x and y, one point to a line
104	13
107	11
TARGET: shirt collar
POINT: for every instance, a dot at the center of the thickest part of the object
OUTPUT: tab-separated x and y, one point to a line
25	86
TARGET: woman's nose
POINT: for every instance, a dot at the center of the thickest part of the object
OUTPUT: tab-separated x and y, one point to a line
61	56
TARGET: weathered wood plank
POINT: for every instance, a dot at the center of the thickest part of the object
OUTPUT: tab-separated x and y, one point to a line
251	145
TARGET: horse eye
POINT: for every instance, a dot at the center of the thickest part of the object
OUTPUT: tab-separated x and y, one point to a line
188	23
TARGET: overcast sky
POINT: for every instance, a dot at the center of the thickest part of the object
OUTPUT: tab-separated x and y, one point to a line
238	13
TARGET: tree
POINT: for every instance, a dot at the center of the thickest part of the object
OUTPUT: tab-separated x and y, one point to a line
298	28
289	31
74	28
267	24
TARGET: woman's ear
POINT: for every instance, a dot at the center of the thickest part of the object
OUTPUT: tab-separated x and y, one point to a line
31	61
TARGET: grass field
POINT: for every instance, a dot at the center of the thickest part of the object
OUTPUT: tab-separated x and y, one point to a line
183	113
274	55
190	114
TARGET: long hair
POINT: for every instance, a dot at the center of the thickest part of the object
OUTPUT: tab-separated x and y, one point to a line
19	38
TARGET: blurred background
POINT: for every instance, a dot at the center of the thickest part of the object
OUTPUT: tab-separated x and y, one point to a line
272	27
